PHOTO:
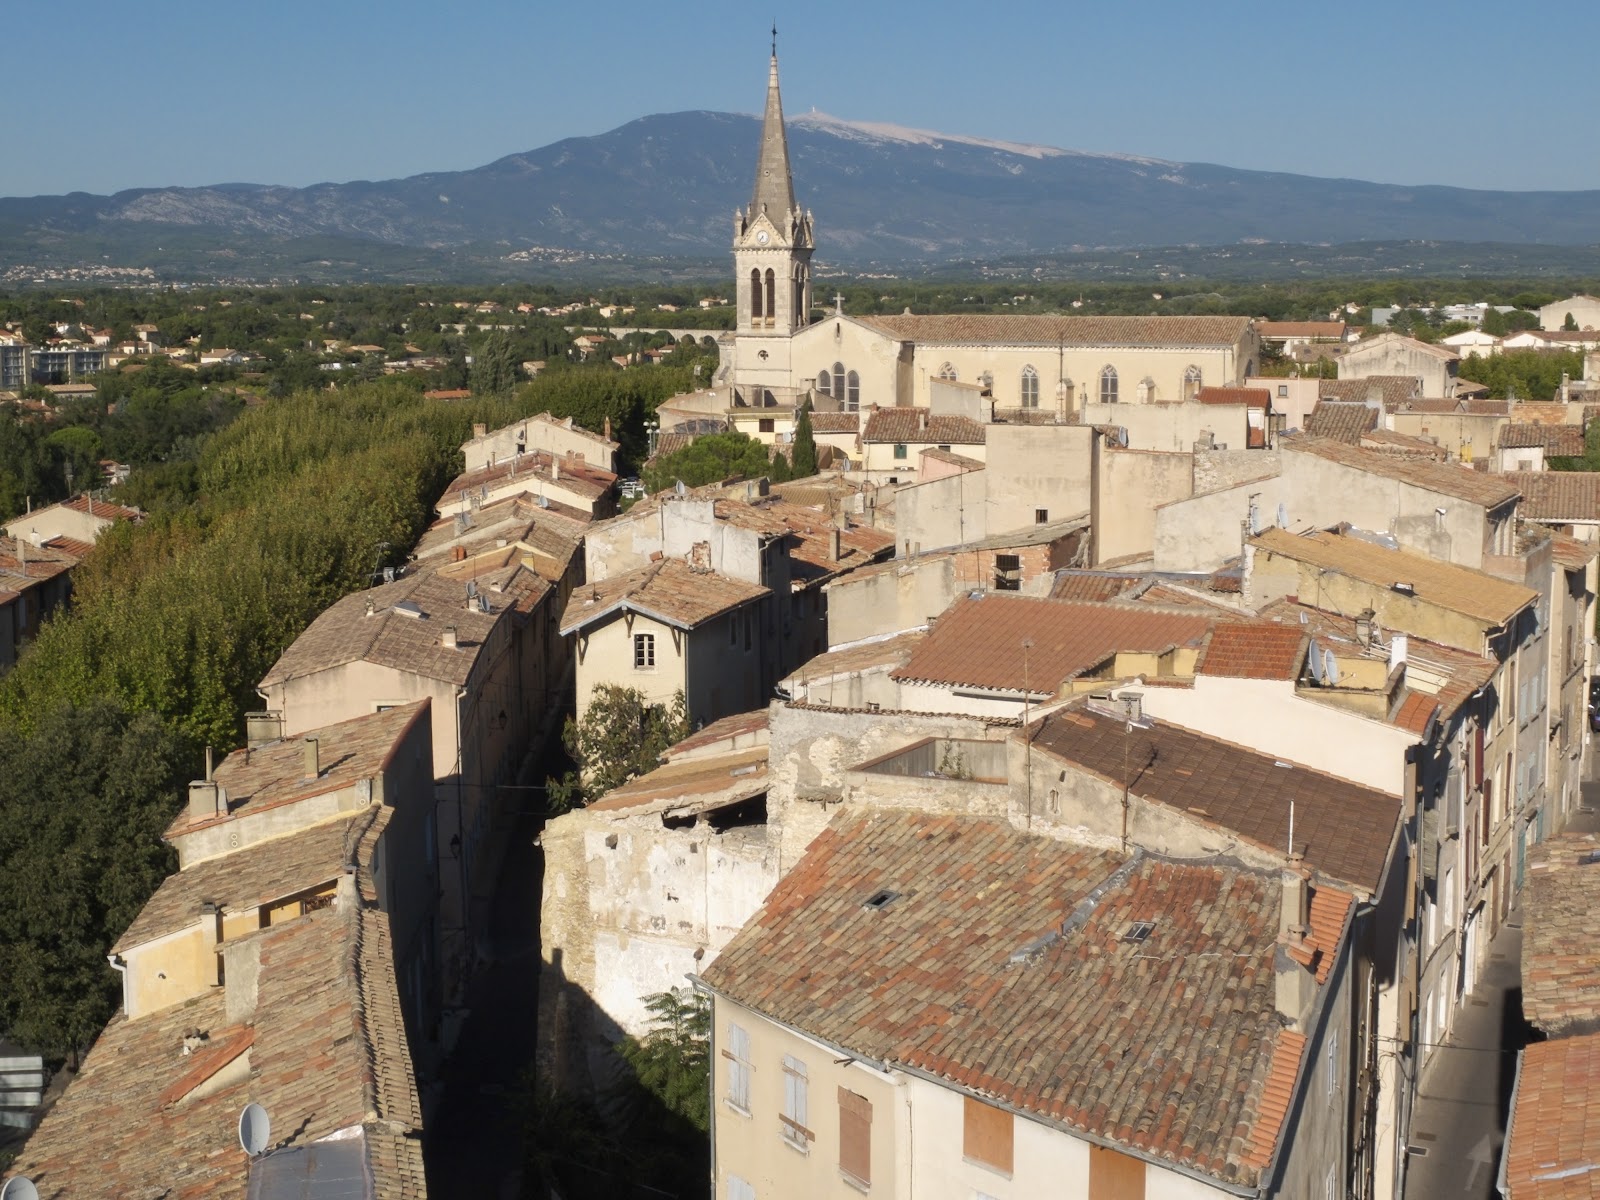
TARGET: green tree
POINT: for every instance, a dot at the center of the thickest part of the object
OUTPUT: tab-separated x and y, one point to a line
672	1061
494	366
805	446
708	459
1570	324
621	735
84	799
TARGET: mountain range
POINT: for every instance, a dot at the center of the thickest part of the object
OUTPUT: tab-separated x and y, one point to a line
662	190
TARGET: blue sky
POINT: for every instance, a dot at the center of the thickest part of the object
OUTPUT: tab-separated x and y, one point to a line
105	95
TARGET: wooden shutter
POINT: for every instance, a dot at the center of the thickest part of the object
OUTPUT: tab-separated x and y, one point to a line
855	1136
986	1135
1114	1176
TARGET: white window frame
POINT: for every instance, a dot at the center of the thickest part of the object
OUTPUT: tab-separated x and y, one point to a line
644	652
1108	385
1030	387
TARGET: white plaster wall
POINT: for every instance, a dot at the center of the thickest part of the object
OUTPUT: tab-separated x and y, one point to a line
1173	427
889	601
1267	716
935	513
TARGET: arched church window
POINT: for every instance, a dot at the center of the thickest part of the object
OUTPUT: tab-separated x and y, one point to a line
1191	383
1108	386
1030	387
838	381
852	402
824	383
755	295
772	295
947	372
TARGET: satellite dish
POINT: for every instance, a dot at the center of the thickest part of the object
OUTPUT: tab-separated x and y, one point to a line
19	1187
1315	660
254	1130
1330	668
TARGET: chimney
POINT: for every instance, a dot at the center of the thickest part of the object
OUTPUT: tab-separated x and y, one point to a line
449	638
608	429
205	800
262	727
1295	915
479	429
313	758
833	544
555	468
458	554
1295	984
1397	650
210	765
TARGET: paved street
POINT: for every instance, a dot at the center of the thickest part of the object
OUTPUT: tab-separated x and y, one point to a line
1461	1110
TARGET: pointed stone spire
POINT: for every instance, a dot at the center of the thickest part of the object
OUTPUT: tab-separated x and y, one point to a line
774	190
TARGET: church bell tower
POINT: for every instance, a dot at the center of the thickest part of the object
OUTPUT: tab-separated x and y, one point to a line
772	242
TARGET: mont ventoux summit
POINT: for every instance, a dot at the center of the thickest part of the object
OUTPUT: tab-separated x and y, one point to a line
665	185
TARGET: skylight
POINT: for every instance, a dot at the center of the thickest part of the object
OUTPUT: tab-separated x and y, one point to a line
881	899
1139	931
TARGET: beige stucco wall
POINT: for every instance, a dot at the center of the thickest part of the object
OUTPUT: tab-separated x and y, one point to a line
1037	466
751	1146
1173	426
1467	437
1267	715
550	436
882	464
1045	1161
1389	354
56	521
1585	311
945	510
840	339
1133	484
889	600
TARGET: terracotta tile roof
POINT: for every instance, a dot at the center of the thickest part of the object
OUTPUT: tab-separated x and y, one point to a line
1254	650
907	425
274	774
1415	345
1561	440
670	591
1250	397
1079	1030
237	883
886	653
986	329
1387	441
692	784
1571	553
1174	596
835	422
1301	329
518	518
1390	389
405	627
1341	420
1416	711
578	476
740	727
88	506
953	459
327	1053
72	547
1560	970
978	641
1462	672
1475	487
1344	829
1459	589
1557	496
1277	1097
24	565
1461	405
811	543
1092	587
1554	1136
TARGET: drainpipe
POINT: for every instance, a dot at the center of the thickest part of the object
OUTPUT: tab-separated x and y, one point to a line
121	968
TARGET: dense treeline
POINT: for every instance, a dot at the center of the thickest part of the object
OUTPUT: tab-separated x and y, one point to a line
175	620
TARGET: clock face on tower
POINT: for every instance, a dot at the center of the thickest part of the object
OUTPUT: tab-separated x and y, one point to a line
761	237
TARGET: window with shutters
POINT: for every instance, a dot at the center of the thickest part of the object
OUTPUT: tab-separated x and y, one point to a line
795	1132
855	1138
738	1056
986	1133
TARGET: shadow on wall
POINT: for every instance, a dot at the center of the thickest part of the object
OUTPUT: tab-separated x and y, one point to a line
594	1129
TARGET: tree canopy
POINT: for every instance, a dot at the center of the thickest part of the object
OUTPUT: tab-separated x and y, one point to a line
708	459
622	735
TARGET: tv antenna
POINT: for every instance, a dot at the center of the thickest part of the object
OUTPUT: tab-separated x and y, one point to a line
19	1187
254	1130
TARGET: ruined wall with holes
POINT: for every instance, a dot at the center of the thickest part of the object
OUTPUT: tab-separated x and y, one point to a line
628	905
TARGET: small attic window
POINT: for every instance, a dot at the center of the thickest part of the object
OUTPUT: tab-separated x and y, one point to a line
1139	931
881	899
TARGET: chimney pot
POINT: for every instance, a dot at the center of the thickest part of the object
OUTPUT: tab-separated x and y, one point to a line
313	758
479	429
449	638
210	772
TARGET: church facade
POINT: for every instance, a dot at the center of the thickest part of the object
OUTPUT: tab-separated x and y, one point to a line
1047	368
